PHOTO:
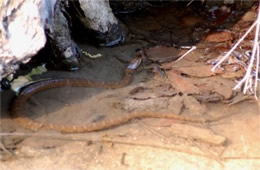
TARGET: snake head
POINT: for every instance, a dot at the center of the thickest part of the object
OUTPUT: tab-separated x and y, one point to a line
134	63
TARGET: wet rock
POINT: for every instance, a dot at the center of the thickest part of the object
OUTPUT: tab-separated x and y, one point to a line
22	32
98	17
115	35
64	49
123	7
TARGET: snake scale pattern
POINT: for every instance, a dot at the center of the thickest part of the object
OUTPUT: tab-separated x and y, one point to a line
17	108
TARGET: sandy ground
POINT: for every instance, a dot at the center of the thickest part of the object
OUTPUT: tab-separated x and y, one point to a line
230	143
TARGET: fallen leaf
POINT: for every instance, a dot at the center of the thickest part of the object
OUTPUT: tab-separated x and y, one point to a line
232	71
216	85
225	91
199	71
191	20
163	54
220	36
208	97
147	105
249	16
182	84
201	86
194	106
239	98
175	104
164	90
137	90
233	75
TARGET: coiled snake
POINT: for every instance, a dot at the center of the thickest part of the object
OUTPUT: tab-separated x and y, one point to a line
17	108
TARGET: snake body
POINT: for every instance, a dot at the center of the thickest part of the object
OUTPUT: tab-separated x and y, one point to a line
17	108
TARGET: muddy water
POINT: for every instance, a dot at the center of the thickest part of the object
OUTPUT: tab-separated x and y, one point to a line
232	142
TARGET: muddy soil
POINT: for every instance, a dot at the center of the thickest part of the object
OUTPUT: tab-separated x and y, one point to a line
231	142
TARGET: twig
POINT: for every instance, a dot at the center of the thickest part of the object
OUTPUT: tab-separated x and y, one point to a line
257	68
250	85
189	2
190	50
234	47
247	79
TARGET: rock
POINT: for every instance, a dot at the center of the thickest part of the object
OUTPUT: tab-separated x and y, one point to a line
22	31
98	17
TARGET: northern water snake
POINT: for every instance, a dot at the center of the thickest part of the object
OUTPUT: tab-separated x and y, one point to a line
17	108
